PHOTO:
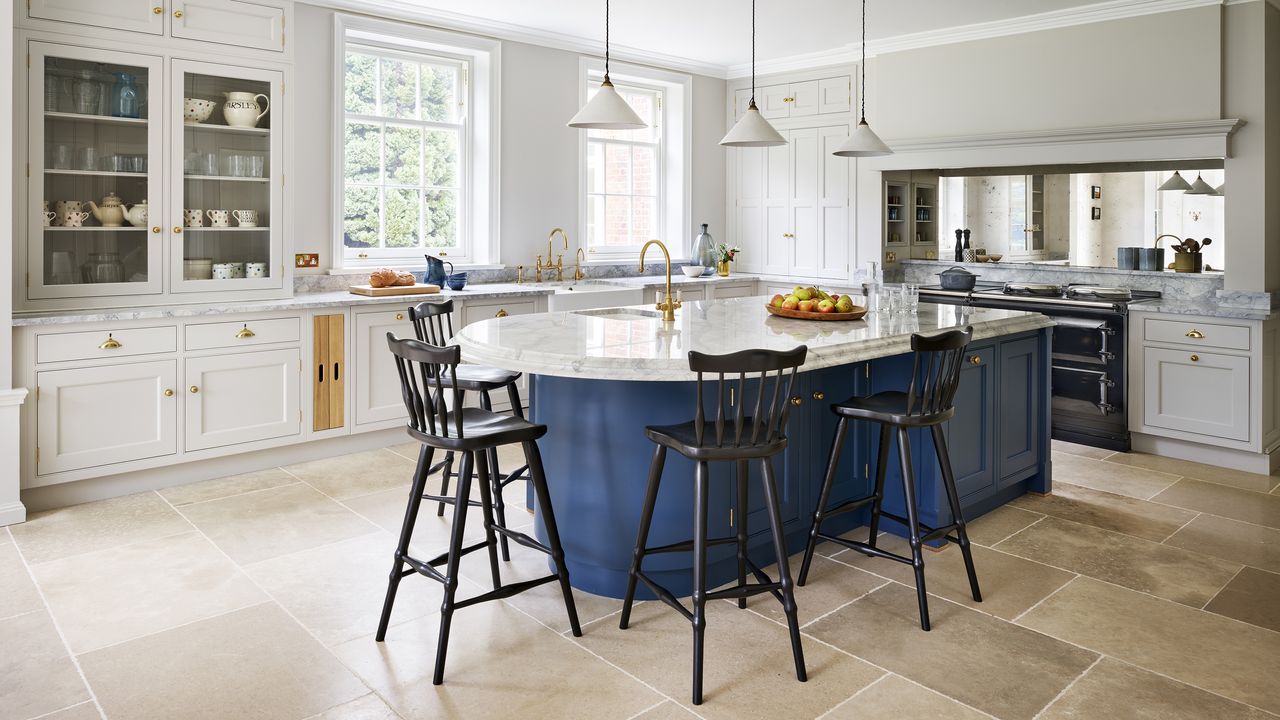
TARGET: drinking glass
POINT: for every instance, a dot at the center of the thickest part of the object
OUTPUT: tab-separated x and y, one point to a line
87	158
60	156
911	298
884	299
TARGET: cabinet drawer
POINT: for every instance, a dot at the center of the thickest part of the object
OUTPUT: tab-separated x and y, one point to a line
1215	335
1197	392
236	334
721	292
132	15
474	312
105	343
230	22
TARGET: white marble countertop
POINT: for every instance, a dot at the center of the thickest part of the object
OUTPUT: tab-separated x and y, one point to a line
634	344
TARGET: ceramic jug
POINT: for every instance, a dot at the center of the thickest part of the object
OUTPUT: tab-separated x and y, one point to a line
435	270
241	109
137	215
110	213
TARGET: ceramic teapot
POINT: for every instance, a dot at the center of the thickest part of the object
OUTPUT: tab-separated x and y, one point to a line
241	109
137	215
110	213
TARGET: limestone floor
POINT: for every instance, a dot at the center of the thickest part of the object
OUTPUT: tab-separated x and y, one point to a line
1142	588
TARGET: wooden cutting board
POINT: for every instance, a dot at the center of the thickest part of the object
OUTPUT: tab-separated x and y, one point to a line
370	291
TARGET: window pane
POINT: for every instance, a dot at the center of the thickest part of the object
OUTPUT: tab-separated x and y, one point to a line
644	219
360	222
404	155
402	217
644	171
617	180
439	93
617	212
441	208
362	84
595	167
399	89
441	158
363	150
595	220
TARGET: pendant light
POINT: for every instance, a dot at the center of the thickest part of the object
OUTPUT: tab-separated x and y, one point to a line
1200	187
1221	190
1175	182
607	110
863	142
752	130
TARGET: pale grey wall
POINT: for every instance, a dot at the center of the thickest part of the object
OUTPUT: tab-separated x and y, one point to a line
1251	265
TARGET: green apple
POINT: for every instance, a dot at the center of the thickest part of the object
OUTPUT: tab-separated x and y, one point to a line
826	306
791	302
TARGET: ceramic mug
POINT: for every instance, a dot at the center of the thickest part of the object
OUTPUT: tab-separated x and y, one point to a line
49	215
219	218
75	219
193	217
255	269
63	208
246	218
237	269
222	271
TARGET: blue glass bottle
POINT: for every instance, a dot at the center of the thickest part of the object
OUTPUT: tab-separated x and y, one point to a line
124	97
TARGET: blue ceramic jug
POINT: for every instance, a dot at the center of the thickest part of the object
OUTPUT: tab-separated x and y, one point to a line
435	270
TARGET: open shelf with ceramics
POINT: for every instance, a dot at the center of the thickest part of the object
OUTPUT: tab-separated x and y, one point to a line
896	228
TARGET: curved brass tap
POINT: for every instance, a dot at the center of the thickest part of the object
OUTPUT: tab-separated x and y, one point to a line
670	304
577	266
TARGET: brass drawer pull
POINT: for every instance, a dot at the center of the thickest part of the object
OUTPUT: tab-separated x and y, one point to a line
194	389
1195	334
1195	358
110	343
177	13
177	229
819	395
168	392
796	401
157	11
975	359
501	313
245	332
155	229
399	316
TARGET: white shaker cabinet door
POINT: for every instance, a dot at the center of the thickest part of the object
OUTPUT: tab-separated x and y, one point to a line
804	99
1197	392
144	16
805	164
88	417
229	22
776	208
774	101
377	396
242	397
833	201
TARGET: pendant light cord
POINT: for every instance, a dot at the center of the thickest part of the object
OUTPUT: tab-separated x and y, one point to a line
753	52
606	40
863	111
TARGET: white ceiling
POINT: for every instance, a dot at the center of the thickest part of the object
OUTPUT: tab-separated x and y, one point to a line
716	32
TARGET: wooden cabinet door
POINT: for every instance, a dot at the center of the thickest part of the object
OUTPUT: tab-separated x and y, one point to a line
377	393
1020	406
774	101
970	433
1197	392
242	397
777	214
804	99
835	95
143	16
88	417
229	22
328	381
833	205
805	165
748	208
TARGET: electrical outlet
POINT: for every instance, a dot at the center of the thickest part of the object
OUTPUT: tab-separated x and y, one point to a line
890	256
306	260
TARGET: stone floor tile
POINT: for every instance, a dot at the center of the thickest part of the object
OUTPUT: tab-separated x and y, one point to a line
1214	653
1245	505
1110	477
55	534
894	697
275	522
1109	511
748	669
1199	471
669	710
218	488
36	674
254	662
17	593
1009	584
967	656
1253	596
1112	689
499	660
125	592
369	707
1231	540
830	585
431	532
356	474
1168	572
999	524
1061	446
83	711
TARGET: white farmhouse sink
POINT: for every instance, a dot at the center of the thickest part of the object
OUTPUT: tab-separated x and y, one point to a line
589	296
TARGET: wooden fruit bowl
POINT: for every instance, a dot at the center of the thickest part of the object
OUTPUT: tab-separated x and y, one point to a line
857	314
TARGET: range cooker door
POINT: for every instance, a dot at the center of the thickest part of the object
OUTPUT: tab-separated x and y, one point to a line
1086	340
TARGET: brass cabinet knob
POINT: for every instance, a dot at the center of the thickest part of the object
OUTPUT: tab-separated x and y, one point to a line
975	359
399	316
177	13
194	389
819	395
1195	334
157	10
501	313
168	392
110	343
155	229
245	332
177	229
796	400
1195	358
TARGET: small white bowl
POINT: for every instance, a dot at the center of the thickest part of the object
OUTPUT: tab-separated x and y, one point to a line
693	270
196	110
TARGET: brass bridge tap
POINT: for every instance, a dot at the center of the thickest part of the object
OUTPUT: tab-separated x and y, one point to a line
559	266
670	304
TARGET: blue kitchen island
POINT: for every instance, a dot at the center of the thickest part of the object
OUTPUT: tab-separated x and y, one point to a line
598	377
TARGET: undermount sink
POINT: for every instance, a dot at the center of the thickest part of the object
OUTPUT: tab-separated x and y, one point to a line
621	313
588	296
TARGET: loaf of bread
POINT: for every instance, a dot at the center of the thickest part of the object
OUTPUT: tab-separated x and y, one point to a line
404	278
383	277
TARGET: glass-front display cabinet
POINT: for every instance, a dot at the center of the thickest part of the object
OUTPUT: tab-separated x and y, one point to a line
94	173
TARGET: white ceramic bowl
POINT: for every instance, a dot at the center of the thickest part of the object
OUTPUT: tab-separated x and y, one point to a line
693	270
197	110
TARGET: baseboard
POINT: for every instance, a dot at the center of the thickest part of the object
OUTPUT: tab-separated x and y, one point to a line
12	514
1260	463
11	508
102	488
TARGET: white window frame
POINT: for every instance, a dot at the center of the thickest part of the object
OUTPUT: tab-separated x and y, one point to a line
675	185
478	217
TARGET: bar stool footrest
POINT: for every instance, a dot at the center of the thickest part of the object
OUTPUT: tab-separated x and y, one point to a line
848	505
520	538
665	596
443	558
744	591
505	591
866	549
687	546
417	566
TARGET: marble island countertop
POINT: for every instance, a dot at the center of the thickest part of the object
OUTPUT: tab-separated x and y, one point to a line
635	344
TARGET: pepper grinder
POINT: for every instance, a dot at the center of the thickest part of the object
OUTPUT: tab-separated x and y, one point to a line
959	245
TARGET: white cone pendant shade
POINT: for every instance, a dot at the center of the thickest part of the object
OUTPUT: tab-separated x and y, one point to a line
1175	182
1221	191
863	143
752	130
607	111
1200	187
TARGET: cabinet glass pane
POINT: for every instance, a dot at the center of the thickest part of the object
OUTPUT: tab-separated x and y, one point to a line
226	204
95	173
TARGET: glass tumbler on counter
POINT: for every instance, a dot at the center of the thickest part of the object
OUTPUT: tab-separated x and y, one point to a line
910	298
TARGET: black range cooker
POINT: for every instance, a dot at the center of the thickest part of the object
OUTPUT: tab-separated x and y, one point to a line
1090	371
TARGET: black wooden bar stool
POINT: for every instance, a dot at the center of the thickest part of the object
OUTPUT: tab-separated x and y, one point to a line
433	324
935	376
473	433
738	438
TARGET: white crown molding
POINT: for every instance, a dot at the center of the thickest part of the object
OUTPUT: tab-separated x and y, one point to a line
1112	133
409	11
1099	12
